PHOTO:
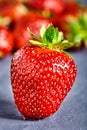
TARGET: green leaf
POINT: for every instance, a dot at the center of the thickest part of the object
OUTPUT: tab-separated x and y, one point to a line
78	29
50	38
67	44
43	33
60	37
33	35
85	20
55	38
50	33
37	43
43	30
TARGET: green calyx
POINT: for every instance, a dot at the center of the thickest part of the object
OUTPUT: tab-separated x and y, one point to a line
50	38
78	29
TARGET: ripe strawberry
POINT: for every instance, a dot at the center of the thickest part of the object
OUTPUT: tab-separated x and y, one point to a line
42	74
71	8
72	23
55	6
6	41
12	10
17	11
31	20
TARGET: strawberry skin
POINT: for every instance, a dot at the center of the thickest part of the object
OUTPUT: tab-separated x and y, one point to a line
41	77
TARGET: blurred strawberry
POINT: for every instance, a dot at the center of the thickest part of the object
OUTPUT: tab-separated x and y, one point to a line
71	8
31	20
72	22
6	42
55	6
12	10
17	11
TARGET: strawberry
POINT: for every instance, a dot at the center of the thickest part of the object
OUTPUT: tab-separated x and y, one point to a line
55	6
12	10
71	8
6	41
42	74
31	20
17	11
72	22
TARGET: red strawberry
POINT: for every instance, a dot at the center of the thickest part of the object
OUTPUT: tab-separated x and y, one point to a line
55	6
17	11
31	20
43	74
6	41
72	22
12	10
72	9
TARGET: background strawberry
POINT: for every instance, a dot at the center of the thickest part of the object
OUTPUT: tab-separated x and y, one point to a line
55	6
6	42
12	10
42	76
32	20
71	8
72	22
19	14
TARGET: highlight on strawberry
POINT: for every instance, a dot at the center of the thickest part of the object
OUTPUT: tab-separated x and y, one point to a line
42	74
